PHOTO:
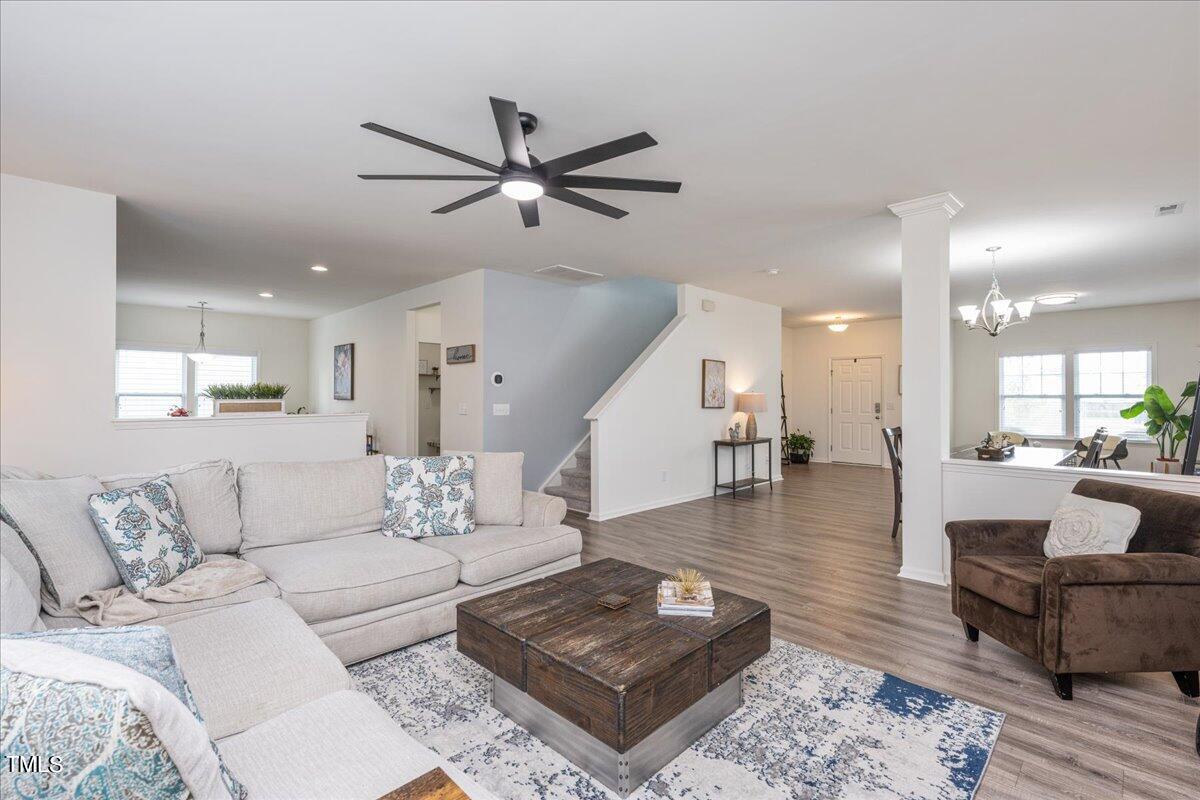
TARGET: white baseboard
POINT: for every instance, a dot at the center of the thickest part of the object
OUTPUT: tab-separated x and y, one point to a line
670	501
924	576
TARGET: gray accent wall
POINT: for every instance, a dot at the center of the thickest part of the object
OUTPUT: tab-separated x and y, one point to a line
559	348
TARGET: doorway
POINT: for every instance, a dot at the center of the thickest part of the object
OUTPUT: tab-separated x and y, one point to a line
429	380
856	410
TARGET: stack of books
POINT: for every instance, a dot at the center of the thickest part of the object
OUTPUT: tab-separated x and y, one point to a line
670	604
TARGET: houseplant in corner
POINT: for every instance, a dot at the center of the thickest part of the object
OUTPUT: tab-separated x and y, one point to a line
247	399
1167	422
800	447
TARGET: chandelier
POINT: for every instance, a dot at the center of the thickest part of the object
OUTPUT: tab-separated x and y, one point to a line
997	311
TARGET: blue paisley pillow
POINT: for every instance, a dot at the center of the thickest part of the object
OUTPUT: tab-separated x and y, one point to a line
429	496
145	533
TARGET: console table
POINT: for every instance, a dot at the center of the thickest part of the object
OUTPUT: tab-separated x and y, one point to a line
735	482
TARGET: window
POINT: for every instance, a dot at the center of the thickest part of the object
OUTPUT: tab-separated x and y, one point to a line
221	369
1105	383
149	382
1033	395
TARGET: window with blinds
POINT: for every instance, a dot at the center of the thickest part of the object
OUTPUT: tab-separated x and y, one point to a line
1033	396
221	369
1105	383
149	382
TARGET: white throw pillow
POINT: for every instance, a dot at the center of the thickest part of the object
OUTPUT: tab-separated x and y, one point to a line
499	497
429	496
19	607
1084	525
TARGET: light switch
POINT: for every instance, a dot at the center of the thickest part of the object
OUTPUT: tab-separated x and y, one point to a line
499	409
462	408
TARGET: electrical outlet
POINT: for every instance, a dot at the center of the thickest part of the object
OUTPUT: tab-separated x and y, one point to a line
663	476
462	408
499	409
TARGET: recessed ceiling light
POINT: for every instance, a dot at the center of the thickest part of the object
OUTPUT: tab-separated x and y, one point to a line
1057	298
837	326
265	294
319	268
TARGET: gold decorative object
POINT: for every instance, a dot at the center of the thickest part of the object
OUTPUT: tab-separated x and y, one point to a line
687	582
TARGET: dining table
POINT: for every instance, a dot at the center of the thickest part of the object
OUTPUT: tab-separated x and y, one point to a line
1025	456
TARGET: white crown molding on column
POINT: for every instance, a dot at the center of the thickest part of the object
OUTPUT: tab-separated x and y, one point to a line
945	201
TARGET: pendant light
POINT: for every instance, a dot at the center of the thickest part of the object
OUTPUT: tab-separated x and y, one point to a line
997	311
200	354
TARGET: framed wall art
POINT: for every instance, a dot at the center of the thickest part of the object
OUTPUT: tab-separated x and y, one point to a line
460	354
343	371
712	383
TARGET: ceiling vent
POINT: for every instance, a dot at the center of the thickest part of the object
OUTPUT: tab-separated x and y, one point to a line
1167	210
564	274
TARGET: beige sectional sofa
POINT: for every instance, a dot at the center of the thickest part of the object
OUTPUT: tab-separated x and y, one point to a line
266	664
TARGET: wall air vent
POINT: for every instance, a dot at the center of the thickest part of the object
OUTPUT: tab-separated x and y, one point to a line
1167	210
564	274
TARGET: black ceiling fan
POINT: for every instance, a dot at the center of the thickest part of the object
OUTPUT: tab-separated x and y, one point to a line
524	178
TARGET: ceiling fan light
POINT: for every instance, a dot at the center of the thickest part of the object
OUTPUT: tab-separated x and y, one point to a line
1024	308
521	189
969	314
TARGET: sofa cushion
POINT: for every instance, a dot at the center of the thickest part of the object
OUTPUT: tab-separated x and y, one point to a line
493	552
336	577
340	746
285	503
497	487
169	612
429	496
53	518
207	491
251	662
1012	581
145	533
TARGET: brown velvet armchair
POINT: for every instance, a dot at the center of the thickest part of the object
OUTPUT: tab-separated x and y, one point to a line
1137	611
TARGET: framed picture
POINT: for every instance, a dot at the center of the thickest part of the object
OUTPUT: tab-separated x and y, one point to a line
460	354
343	371
712	383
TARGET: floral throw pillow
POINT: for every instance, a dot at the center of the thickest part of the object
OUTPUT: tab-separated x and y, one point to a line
1085	525
429	496
145	533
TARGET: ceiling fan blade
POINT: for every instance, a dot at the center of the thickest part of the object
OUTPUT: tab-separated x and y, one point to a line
626	184
511	135
428	177
594	155
583	201
471	198
437	148
529	213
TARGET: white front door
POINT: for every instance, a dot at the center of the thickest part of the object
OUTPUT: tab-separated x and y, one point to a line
855	397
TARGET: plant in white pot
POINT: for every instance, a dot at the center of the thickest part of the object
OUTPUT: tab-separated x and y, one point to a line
242	399
1166	422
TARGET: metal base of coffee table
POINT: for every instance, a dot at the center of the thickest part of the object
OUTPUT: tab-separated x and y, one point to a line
621	772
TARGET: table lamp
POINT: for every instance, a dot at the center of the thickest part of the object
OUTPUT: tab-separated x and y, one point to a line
750	402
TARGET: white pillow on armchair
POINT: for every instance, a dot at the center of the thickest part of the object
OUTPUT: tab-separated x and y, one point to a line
1086	526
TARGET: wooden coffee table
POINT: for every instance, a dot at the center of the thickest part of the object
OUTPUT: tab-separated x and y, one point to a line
619	692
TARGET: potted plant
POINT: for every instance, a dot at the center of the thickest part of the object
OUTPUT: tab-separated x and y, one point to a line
800	447
1166	422
247	399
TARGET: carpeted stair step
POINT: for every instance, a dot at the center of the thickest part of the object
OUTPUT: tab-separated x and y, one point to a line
577	499
577	478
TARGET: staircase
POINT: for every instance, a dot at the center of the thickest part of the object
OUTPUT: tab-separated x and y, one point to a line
575	482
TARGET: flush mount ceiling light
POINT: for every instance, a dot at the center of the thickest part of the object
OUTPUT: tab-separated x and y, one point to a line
1057	298
200	354
524	178
265	294
772	270
837	326
319	268
997	311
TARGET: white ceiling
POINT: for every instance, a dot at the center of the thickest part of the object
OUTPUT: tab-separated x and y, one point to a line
230	134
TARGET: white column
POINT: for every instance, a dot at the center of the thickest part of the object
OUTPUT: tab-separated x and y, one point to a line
925	354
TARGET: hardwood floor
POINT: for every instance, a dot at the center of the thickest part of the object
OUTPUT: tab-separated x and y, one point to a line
819	553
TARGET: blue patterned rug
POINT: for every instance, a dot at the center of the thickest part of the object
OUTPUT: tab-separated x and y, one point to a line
811	726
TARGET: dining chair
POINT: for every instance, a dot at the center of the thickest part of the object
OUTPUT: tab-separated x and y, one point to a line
1091	459
1116	450
895	447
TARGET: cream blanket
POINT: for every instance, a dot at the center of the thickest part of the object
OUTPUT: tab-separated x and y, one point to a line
209	579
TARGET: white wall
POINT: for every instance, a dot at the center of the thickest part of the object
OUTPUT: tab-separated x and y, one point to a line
651	420
281	344
1172	330
57	340
807	373
385	336
58	290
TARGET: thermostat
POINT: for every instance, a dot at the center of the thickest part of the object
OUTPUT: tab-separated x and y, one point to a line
497	378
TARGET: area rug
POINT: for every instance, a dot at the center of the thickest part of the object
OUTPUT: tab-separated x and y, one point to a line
810	726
